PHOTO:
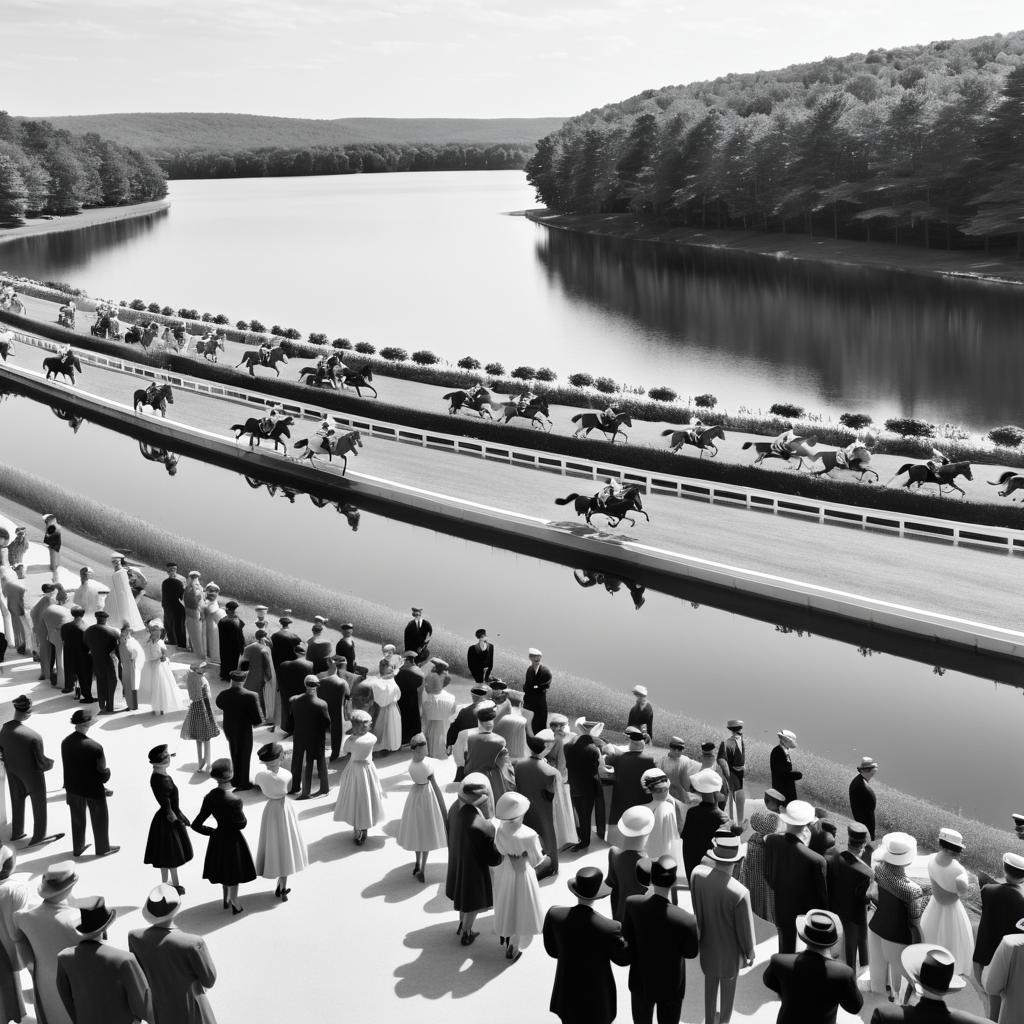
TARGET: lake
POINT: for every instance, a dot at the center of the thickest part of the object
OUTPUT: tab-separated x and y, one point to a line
431	260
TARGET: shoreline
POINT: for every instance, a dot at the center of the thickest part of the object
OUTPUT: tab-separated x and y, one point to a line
797	249
86	219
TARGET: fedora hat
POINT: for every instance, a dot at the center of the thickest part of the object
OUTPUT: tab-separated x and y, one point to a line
734	723
270	752
22	703
161	904
664	872
511	805
932	967
726	848
706	781
640	691
818	928
636	821
95	918
58	879
899	848
797	813
588	884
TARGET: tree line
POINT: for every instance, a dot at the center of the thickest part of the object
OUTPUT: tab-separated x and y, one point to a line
365	158
48	170
921	145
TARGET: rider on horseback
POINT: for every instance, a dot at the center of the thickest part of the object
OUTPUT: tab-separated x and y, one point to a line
476	393
610	492
609	416
525	399
324	434
151	393
268	422
264	352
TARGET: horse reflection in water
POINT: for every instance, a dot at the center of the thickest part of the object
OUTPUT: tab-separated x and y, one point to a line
152	453
348	510
612	583
68	416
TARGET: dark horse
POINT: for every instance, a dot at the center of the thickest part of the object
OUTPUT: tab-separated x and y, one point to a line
699	436
1009	482
65	365
616	509
157	396
478	402
798	448
6	346
251	359
856	459
358	379
209	347
340	445
589	421
318	376
930	473
536	409
254	429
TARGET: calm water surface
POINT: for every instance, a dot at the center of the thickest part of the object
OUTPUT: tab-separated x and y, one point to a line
430	261
701	661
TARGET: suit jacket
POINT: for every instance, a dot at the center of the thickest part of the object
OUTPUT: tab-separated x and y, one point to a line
14	592
417	637
626	789
702	821
319	652
784	779
585	944
1002	906
465	718
22	748
796	875
333	690
535	687
622	878
642	717
172	592
862	803
538	782
1004	977
179	969
36	614
812	987
241	712
312	719
72	634
582	766
85	767
481	663
100	984
927	1011
820	840
282	646
53	616
291	676
660	937
346	647
848	879
103	641
258	663
732	761
482	750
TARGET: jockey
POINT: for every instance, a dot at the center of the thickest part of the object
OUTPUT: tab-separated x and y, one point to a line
151	390
476	392
610	492
325	433
525	399
268	422
264	351
609	415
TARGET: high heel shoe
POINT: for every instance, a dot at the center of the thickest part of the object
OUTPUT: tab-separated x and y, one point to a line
235	911
469	938
509	951
420	876
284	895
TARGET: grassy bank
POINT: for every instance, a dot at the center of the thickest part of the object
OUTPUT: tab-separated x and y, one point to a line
825	782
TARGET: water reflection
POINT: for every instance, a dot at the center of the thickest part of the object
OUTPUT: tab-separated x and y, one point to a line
347	509
612	584
69	416
153	453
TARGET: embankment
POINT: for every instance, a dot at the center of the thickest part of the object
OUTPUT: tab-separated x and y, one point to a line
86	219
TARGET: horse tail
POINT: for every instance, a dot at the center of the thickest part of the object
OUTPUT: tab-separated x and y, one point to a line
565	501
747	444
905	468
578	416
301	444
450	395
665	433
1002	480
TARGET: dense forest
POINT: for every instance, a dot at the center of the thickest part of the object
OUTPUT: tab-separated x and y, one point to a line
48	170
356	159
921	144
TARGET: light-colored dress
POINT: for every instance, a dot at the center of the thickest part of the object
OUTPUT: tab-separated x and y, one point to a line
422	826
512	726
15	894
159	688
90	596
436	712
212	614
281	850
389	719
566	832
199	722
664	840
945	921
360	800
121	605
517	907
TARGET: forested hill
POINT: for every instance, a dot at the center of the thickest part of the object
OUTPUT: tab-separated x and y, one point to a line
921	144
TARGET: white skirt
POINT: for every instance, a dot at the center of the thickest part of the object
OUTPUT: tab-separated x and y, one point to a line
565	818
360	800
422	825
388	728
281	850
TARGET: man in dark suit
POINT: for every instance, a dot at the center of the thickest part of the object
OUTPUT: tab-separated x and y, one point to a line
537	781
104	643
732	759
258	666
465	718
318	647
409	679
634	827
231	633
862	797
480	657
26	765
703	820
1002	906
241	710
312	721
418	632
347	646
795	873
85	777
931	969
291	679
333	689
848	879
585	945
283	642
583	771
659	938
629	766
823	833
77	663
535	690
172	594
784	778
812	985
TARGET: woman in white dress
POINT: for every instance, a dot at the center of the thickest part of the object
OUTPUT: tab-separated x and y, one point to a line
360	800
389	719
566	833
945	921
121	605
518	914
436	711
212	614
664	840
281	851
390	654
158	683
423	826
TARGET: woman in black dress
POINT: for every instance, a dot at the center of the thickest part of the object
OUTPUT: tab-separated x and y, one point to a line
168	845
228	859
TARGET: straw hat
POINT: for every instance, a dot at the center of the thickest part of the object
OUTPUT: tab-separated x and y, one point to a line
797	813
899	848
162	904
511	805
636	821
706	781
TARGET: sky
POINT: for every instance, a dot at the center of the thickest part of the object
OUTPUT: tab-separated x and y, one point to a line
430	58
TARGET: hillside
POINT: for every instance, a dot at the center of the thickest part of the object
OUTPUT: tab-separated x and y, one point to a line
160	134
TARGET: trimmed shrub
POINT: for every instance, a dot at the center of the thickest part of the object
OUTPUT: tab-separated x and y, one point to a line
153	307
547	374
292	334
1007	437
207	318
581	380
63	286
524	373
242	325
342	343
189	314
166	311
138	304
257	327
606	385
495	369
662	394
855	420
317	339
907	426
787	409
278	331
424	357
220	318
396	355
366	348
706	401
469	363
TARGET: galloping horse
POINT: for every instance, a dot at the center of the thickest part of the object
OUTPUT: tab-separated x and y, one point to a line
252	427
341	445
358	379
536	412
106	325
209	347
158	398
699	436
251	359
589	421
65	365
785	447
318	376
479	402
616	508
930	473
66	317
856	458
1009	482
175	337
6	344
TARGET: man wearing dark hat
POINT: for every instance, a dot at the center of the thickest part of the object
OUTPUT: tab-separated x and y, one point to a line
848	878
480	657
347	646
333	689
283	641
291	682
409	680
585	944
77	663
862	796
586	791
259	673
732	759
784	778
1002	906
538	782
708	759
536	684
241	715
85	777
629	766
641	714
100	984
932	970
177	965
483	745
677	766
465	718
318	647
811	984
172	600
502	701
26	764
660	938
104	643
418	632
311	722
231	634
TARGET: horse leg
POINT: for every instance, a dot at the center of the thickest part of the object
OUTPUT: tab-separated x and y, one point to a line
344	464
373	389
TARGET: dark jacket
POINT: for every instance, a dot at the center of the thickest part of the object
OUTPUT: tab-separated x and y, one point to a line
538	782
927	1011
660	937
702	821
85	767
100	984
282	646
346	648
585	944
642	717
179	969
481	663
848	879
319	652
622	878
796	875
862	803
312	719
22	748
1002	906
784	779
417	637
812	987
582	765
409	680
536	684
241	711
291	677
103	641
626	789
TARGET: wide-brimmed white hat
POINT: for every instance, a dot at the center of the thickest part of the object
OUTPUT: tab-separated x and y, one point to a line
787	734
511	805
797	813
706	781
636	821
162	904
899	848
726	849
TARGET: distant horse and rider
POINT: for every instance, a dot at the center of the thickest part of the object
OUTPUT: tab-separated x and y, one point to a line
612	583
153	453
331	444
698	435
478	400
156	396
1010	481
259	430
264	356
937	470
64	363
6	345
787	447
608	424
612	502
